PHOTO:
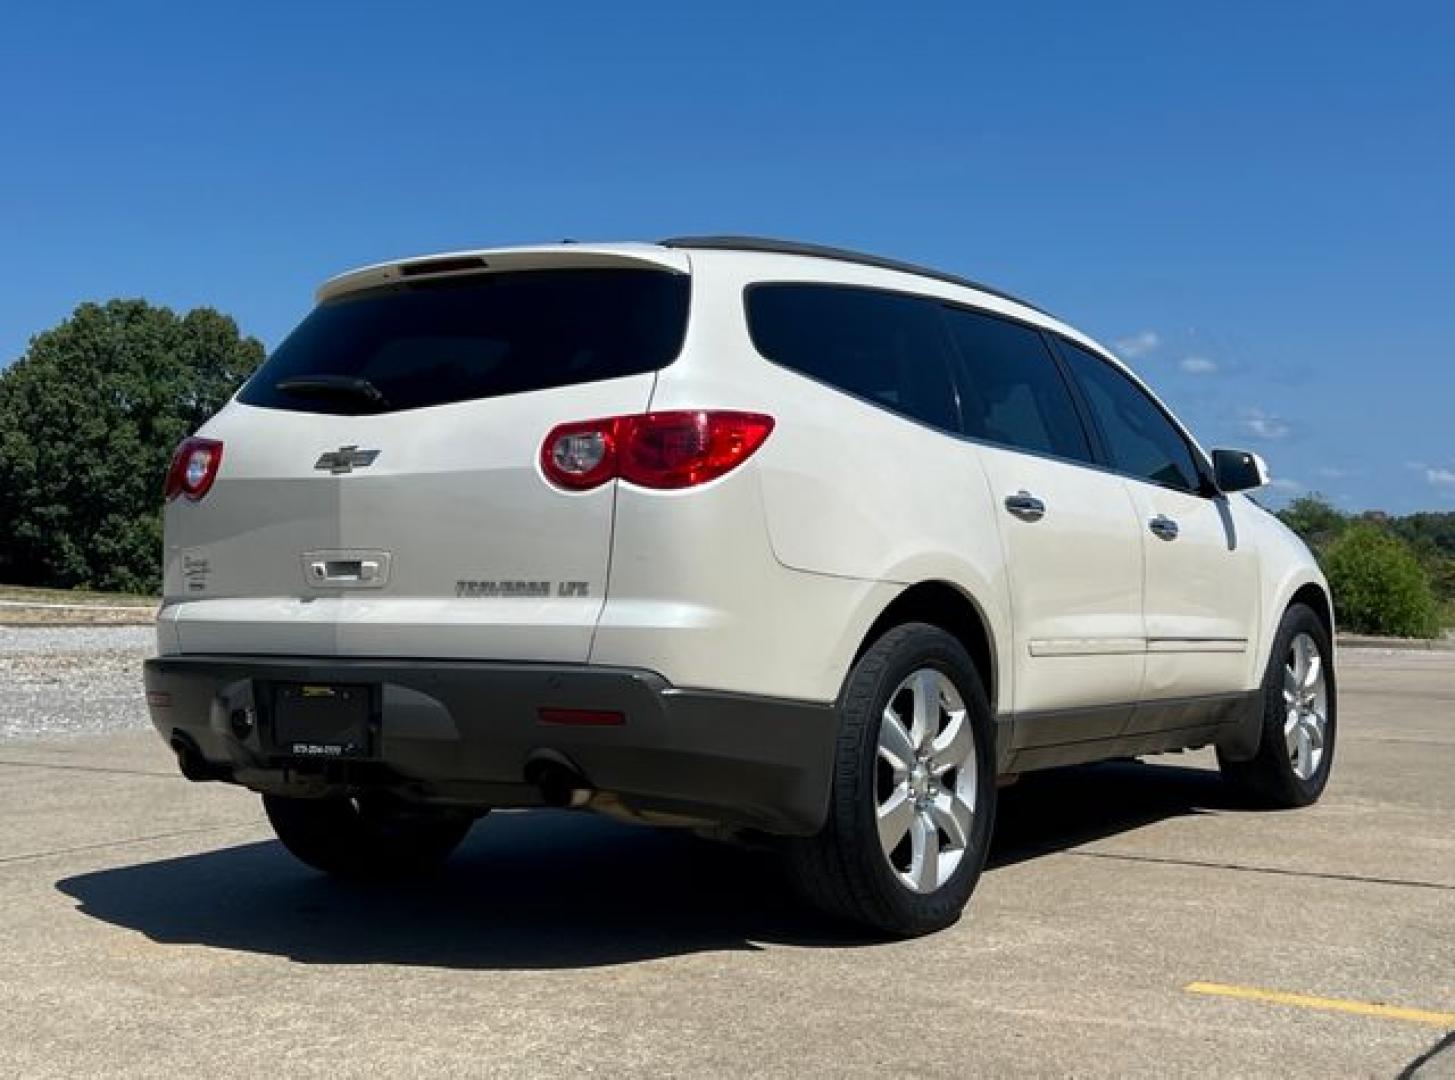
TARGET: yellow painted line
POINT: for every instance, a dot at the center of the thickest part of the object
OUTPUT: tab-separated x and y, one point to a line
1307	1001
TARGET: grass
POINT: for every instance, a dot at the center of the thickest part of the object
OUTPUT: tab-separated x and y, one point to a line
78	597
21	605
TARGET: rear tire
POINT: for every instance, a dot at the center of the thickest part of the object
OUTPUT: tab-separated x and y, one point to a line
1300	710
912	803
368	838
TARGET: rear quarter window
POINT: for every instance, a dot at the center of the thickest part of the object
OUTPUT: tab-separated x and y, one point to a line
886	347
480	336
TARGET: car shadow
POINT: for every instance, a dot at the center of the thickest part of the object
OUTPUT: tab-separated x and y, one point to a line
551	890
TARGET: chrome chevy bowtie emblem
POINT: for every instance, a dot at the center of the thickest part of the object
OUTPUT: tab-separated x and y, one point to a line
345	459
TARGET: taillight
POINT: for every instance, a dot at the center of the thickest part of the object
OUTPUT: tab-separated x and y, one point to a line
580	456
655	450
194	468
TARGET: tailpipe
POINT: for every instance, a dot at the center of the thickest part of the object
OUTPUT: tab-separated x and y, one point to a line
559	781
194	766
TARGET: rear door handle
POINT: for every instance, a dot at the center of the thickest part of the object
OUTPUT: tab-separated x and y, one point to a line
1025	506
1163	527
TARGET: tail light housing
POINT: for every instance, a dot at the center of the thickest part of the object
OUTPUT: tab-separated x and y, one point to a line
194	467
664	450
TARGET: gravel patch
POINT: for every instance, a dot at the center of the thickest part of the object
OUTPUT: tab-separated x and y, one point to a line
72	680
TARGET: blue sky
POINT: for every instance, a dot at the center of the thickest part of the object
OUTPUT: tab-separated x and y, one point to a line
1257	201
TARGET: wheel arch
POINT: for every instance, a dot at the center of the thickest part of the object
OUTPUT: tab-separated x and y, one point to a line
1308	588
954	611
1315	596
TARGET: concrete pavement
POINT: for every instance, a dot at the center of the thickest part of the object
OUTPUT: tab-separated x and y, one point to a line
153	927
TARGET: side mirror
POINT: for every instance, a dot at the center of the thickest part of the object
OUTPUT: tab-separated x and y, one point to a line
1238	470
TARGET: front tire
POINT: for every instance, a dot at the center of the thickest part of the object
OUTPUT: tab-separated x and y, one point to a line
1300	709
371	837
912	804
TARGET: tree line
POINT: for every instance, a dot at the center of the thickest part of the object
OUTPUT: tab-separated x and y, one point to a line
88	420
1389	575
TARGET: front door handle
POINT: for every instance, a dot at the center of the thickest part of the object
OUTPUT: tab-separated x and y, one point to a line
1025	506
1163	527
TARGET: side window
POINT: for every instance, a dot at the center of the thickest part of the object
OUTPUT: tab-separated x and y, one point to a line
1011	391
882	346
1139	438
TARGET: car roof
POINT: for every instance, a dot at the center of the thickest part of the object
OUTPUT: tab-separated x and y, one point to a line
772	246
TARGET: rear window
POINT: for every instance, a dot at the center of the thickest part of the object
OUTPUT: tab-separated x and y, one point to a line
430	343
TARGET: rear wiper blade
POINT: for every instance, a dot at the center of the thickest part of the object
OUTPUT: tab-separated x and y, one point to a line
333	385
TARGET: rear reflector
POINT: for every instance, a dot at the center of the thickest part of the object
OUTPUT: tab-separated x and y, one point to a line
582	717
665	450
159	699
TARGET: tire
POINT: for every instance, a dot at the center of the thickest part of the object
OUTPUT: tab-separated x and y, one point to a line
1299	718
370	838
845	870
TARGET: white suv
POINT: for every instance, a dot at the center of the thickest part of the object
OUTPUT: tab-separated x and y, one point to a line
754	537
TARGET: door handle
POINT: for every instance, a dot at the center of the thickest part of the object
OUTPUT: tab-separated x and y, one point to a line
1163	527
1025	506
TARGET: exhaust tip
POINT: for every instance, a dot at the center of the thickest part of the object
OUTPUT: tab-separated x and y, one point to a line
194	766
559	781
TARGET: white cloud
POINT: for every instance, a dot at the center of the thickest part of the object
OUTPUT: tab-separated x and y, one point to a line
1198	365
1138	344
1441	477
1260	425
1279	483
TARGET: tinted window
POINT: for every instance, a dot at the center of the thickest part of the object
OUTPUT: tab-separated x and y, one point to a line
1140	439
478	336
882	346
1011	391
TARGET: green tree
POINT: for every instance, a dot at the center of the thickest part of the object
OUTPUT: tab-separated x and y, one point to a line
1379	586
1315	520
88	419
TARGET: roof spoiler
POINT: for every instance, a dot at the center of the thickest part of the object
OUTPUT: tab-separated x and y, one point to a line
455	264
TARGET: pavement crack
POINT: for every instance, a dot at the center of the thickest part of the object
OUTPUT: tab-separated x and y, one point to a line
1323	875
126	841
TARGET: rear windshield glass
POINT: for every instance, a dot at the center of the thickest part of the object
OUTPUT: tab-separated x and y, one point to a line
413	345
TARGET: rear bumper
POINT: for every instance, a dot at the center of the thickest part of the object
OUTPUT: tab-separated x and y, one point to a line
462	732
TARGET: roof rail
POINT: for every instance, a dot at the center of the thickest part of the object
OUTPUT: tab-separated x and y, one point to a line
818	251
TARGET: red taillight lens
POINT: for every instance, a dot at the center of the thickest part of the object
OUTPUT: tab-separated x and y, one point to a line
657	450
194	468
683	449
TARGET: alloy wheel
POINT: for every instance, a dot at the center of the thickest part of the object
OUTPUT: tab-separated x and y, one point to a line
1306	705
925	780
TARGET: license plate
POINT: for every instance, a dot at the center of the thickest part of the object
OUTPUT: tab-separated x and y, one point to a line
321	720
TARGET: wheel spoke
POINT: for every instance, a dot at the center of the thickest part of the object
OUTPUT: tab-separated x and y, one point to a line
1290	686
954	815
1315	724
954	747
895	744
924	865
895	814
926	690
1302	648
1314	673
1304	766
